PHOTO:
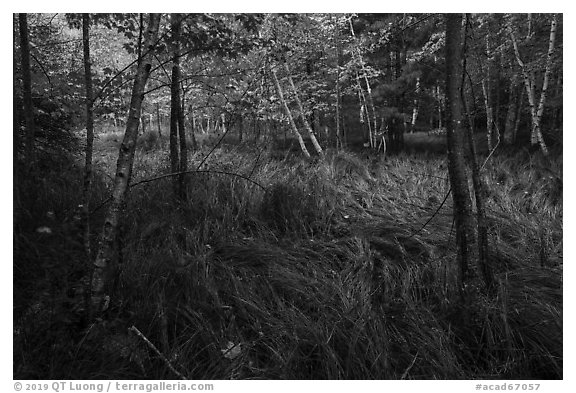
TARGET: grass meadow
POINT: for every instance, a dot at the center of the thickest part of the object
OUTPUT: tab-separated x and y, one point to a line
341	268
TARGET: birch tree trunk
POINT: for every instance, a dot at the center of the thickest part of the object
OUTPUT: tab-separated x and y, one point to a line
175	102
372	127
103	266
178	159
289	114
487	101
416	106
27	88
315	143
89	131
530	84
339	137
546	81
439	99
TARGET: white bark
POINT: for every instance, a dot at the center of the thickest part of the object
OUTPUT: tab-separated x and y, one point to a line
288	113
317	146
372	127
487	101
530	84
102	275
416	105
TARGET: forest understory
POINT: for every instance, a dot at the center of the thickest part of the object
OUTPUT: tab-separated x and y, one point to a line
278	267
287	196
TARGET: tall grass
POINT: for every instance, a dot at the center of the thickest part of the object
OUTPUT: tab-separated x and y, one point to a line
327	273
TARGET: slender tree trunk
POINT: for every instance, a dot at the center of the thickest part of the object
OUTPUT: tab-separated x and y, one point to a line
479	189
201	122
439	99
103	266
177	111
223	118
193	122
372	127
455	141
158	120
315	143
27	88
487	101
530	84
193	132
175	102
143	122
89	131
241	129
339	139
489	113
289	114
16	110
183	155
363	115
416	106
546	81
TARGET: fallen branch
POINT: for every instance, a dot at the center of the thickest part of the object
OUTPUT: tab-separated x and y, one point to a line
153	347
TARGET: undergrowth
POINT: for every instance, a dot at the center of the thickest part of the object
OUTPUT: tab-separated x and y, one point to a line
327	273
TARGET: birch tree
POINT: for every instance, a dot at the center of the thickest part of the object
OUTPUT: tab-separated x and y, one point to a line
174	101
340	140
178	159
315	143
89	130
536	108
416	105
27	87
486	91
288	113
102	275
372	127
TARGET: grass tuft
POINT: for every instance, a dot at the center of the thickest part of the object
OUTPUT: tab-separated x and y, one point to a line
328	274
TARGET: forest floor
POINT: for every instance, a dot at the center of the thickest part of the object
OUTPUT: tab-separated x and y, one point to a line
342	268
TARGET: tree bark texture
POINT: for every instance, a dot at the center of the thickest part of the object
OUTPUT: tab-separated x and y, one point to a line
174	104
455	140
177	107
27	87
158	121
16	106
103	266
89	131
288	113
486	90
315	143
536	110
372	127
479	188
416	106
